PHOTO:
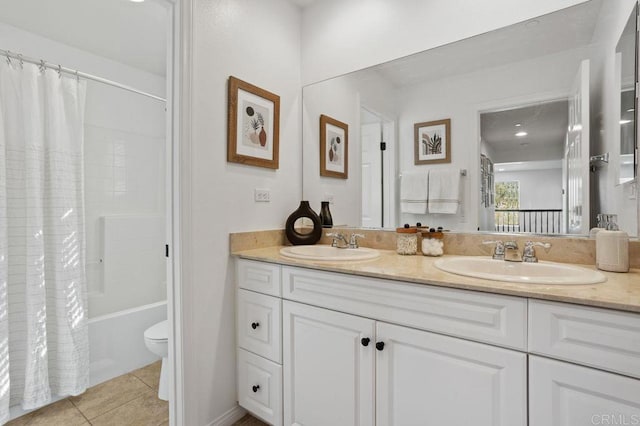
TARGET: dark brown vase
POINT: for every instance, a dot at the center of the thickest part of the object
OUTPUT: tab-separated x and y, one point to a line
298	238
263	137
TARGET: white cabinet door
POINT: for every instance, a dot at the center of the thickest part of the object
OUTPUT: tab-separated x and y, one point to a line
328	371
426	379
563	394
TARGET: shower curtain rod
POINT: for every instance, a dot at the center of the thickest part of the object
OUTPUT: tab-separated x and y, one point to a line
10	55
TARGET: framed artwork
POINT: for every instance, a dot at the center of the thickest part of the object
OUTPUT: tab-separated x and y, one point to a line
253	125
334	148
432	142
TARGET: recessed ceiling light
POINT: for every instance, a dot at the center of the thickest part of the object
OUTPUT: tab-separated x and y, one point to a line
518	125
136	1
501	170
521	134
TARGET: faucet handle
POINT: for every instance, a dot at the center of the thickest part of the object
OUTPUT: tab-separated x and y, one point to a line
498	252
353	241
532	244
529	252
337	236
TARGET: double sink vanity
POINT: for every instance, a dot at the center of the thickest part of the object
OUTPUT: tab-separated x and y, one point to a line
373	337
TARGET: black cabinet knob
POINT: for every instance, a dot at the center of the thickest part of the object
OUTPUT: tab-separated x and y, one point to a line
255	325
365	341
380	346
255	388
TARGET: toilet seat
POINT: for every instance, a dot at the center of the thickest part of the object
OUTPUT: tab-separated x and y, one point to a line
158	332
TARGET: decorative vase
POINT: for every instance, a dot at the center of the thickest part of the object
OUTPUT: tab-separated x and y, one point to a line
296	237
263	137
325	215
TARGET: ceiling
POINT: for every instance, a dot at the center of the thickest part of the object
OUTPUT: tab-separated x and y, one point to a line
545	125
131	33
566	29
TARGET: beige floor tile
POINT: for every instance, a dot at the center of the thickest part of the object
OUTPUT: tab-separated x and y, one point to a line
248	420
150	374
61	413
147	410
109	395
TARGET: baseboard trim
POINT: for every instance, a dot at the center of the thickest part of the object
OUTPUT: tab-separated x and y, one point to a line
230	417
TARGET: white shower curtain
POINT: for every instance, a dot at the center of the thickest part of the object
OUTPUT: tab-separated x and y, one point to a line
44	344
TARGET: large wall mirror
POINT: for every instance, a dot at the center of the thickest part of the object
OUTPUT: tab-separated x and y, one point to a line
529	128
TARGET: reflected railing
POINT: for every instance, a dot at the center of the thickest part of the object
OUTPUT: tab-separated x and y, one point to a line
537	221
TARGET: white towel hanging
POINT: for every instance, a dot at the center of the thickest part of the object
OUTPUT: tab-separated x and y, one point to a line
414	192
444	191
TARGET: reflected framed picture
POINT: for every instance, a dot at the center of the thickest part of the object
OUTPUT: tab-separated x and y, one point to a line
432	142
253	125
334	148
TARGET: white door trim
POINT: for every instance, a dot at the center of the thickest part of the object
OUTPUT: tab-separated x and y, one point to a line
179	234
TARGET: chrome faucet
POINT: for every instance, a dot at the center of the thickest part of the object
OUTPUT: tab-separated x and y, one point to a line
511	253
529	252
498	251
337	237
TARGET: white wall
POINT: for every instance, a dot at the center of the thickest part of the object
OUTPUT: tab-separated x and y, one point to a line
383	30
539	189
461	99
124	153
605	128
341	99
258	42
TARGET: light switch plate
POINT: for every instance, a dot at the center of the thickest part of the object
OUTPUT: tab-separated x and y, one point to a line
261	195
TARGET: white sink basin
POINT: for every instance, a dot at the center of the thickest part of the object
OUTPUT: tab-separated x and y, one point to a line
328	253
519	272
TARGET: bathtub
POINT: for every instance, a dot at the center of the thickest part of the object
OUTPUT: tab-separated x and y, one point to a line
116	341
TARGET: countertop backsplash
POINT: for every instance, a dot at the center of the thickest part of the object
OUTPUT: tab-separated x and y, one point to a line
578	250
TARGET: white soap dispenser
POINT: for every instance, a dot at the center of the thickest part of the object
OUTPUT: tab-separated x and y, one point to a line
612	249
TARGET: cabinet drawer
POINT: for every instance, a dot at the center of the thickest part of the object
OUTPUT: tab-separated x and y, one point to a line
601	338
260	387
259	324
496	319
259	276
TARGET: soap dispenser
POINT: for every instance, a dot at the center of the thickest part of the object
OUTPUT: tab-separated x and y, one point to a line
612	249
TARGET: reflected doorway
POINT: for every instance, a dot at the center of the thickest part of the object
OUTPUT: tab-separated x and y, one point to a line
378	147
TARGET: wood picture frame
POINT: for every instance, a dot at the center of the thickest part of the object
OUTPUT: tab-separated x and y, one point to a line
432	142
334	148
253	125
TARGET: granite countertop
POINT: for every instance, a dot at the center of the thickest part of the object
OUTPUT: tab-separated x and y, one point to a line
621	290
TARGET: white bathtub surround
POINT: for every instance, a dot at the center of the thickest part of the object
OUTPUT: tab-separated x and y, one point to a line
44	344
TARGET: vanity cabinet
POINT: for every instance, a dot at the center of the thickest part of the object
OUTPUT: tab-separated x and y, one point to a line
564	394
340	349
425	378
329	367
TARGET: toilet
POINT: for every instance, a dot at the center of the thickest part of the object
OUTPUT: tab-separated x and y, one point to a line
156	339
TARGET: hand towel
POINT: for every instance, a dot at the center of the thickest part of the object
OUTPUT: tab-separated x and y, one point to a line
414	192
444	191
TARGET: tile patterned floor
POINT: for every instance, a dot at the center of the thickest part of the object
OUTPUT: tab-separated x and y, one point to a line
128	400
249	421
